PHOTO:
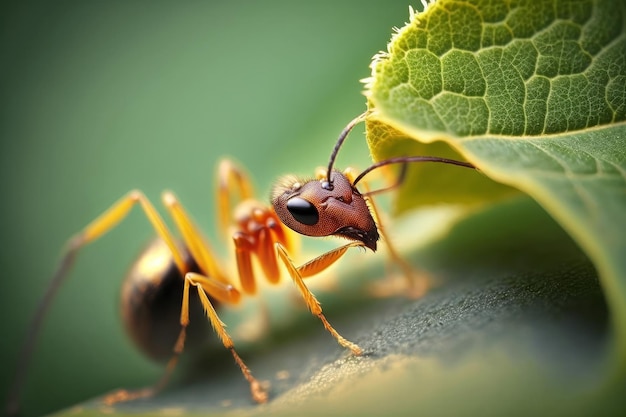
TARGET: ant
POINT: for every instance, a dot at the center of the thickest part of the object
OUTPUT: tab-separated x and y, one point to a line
158	310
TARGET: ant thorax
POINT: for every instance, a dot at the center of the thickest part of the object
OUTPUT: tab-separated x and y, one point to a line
250	215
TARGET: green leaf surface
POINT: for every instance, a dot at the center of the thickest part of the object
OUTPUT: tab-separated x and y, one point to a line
534	94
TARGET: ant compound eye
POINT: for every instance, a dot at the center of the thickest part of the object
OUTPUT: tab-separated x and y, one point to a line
303	211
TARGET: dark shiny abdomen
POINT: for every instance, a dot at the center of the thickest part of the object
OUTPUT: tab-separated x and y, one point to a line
151	301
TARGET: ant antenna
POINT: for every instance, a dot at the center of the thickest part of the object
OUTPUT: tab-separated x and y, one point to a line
404	160
328	185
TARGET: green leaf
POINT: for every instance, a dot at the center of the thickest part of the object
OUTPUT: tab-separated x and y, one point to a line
429	184
534	94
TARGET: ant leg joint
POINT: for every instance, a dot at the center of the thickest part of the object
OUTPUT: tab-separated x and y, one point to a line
75	242
135	195
168	198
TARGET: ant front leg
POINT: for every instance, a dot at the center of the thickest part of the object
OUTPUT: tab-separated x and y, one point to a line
311	268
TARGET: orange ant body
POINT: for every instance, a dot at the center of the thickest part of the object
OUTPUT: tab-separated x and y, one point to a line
157	305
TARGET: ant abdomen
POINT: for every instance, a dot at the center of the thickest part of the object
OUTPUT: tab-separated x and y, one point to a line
150	303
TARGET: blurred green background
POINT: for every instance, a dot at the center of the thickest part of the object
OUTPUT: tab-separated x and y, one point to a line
102	97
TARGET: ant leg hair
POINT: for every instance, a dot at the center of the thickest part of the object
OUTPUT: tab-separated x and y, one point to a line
215	284
220	292
320	263
259	394
218	287
312	303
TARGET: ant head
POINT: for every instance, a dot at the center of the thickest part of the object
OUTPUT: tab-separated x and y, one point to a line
325	208
333	205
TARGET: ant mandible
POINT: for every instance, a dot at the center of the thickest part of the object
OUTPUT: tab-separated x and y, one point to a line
157	306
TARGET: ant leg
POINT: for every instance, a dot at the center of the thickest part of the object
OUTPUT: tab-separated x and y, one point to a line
229	178
312	303
259	394
244	246
263	246
215	285
199	249
415	282
114	215
93	231
234	182
320	263
221	292
197	245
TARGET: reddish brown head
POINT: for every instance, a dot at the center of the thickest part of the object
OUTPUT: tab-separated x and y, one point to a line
323	208
333	205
